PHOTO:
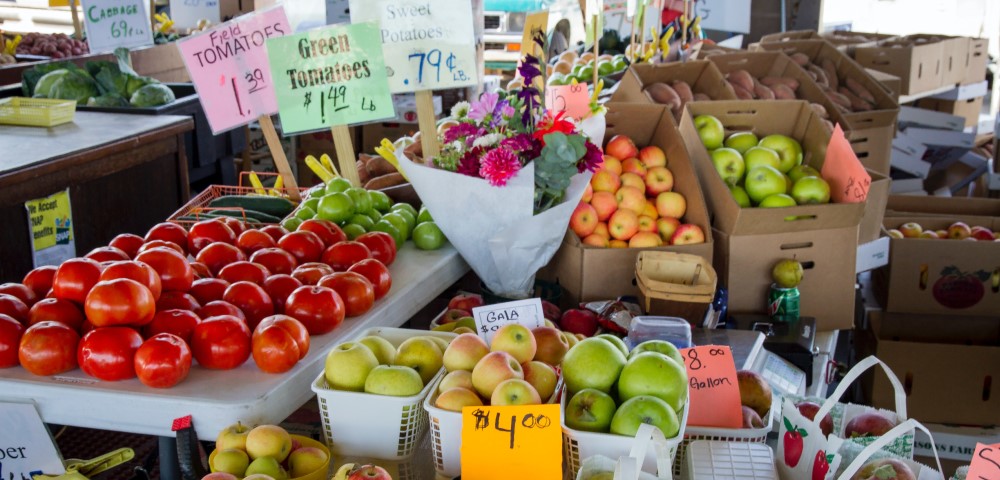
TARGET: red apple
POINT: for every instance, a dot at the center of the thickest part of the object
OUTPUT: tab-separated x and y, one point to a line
982	233
453	314
688	234
466	301
584	220
653	156
369	472
578	320
604	204
809	409
751	419
910	229
551	312
958	231
868	424
621	146
595	240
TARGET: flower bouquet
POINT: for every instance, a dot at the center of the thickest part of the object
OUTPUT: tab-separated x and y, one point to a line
506	181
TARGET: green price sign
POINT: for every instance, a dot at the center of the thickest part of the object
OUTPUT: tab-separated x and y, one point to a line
330	76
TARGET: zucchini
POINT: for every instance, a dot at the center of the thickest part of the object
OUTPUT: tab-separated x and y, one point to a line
274	206
252	216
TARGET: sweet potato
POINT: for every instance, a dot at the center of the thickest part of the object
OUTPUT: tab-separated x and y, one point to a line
800	58
839	99
820	110
378	166
664	94
741	78
701	97
385	181
741	93
831	72
858	104
363	175
829	124
683	90
783	92
858	89
812	75
820	75
772	81
762	91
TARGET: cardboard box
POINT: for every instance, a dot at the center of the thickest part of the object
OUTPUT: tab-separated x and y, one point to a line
788	117
948	365
872	255
963	177
849	41
870	133
917	66
968	109
903	204
954	59
922	117
744	263
944	147
908	155
891	83
593	273
162	62
871	221
791	35
955	444
975	61
965	91
703	77
947	277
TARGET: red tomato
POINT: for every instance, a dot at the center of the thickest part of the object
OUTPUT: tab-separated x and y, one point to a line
375	272
354	289
251	299
304	246
39	280
207	232
14	307
48	348
127	243
119	302
344	254
220	307
320	309
175	322
168	232
275	231
56	310
294	327
327	231
10	338
275	260
310	273
274	350
279	287
107	254
206	290
74	279
177	301
20	291
109	353
221	342
162	361
161	244
200	270
252	240
218	255
244	271
234	224
381	244
137	271
175	272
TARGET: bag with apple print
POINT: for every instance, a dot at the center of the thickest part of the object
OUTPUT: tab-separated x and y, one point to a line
804	452
598	467
856	457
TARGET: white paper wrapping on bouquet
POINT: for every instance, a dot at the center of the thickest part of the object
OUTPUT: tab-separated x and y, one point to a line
495	228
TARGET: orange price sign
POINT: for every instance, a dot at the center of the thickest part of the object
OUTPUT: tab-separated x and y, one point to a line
713	388
572	99
849	182
985	463
522	441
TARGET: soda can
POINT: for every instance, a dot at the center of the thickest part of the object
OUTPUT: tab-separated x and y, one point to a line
783	304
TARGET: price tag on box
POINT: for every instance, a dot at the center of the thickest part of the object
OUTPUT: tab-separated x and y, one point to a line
330	76
849	182
985	463
713	387
523	441
427	45
112	24
230	70
572	99
489	318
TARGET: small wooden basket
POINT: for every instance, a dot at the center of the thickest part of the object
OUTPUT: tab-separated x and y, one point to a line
675	284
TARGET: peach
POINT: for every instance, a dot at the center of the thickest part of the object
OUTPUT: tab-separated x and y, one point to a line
645	240
605	204
687	234
671	204
605	181
630	179
659	180
584	220
653	156
631	198
634	165
623	224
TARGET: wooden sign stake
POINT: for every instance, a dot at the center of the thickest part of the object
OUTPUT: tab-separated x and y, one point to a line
684	25
77	28
596	48
345	154
428	124
278	153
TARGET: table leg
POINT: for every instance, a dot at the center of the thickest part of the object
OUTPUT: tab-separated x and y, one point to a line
169	466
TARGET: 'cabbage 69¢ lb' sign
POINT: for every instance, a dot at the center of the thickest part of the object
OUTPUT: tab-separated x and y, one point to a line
116	23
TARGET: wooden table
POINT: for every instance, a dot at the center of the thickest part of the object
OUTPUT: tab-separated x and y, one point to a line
124	173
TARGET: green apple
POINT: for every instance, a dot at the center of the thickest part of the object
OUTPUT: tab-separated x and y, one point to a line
763	182
778	200
653	373
268	441
616	341
659	346
305	460
645	409
394	380
348	365
375	215
787	273
424	215
741	141
729	163
590	410
592	363
789	150
338	185
605	67
710	130
353	230
556	79
380	201
267	466
233	436
515	391
799	171
587	71
760	156
312	202
411	219
740	195
427	236
336	207
788	184
811	190
316	191
230	460
422	355
384	351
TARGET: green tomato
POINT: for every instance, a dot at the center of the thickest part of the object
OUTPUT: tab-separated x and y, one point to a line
312	203
317	191
362	220
619	65
375	215
305	213
558	79
362	202
404	206
427	236
291	224
411	219
353	230
337	185
398	221
380	201
605	68
336	207
385	226
586	72
576	70
424	215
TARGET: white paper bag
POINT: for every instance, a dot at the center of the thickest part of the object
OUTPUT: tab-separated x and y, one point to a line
630	468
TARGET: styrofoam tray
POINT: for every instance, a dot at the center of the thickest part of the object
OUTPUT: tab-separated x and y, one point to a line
713	460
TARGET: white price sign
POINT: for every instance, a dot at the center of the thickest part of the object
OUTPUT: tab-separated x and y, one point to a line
724	15
338	11
187	13
112	24
428	45
25	444
489	318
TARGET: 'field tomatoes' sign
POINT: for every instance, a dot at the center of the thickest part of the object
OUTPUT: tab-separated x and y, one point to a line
713	387
489	318
522	441
228	65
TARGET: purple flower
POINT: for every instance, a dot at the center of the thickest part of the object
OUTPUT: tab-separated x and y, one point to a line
591	160
528	69
484	106
462	130
469	163
498	166
519	143
507	111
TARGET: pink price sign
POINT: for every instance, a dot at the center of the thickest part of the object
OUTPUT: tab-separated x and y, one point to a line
230	69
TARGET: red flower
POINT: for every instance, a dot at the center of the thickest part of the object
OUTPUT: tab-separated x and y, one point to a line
551	124
499	165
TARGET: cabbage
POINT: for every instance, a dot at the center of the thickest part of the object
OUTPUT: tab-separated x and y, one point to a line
135	82
74	86
44	86
107	100
152	95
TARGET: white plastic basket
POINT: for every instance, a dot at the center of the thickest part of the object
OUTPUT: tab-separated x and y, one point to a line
578	445
716	460
738	435
378	426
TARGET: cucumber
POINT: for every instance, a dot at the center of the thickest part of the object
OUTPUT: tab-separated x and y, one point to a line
274	206
253	216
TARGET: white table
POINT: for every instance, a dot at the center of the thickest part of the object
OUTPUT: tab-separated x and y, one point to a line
216	399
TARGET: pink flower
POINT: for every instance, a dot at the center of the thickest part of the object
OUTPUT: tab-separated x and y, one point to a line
498	166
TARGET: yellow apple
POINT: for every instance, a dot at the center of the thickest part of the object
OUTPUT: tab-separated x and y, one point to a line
422	355
516	340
